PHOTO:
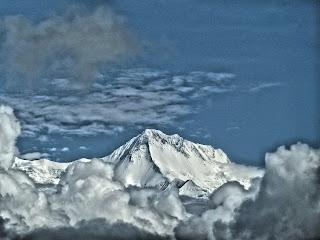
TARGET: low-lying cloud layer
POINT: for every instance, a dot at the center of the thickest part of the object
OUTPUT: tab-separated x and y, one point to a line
120	98
89	203
71	46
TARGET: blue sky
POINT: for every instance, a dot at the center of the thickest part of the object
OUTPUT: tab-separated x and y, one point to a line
270	49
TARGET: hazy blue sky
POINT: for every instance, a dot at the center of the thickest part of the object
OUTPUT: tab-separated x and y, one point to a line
271	48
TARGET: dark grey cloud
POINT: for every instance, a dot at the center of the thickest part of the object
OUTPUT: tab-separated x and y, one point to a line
72	45
97	229
288	203
3	232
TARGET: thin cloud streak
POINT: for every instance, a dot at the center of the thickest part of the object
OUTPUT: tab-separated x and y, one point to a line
264	86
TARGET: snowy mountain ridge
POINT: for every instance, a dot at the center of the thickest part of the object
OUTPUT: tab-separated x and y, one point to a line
154	159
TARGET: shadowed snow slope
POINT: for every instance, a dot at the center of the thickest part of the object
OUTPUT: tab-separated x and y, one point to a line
156	159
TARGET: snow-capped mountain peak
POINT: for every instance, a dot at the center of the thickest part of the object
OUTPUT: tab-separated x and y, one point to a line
154	159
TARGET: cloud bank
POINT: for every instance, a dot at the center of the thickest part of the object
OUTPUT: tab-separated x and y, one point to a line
88	202
71	46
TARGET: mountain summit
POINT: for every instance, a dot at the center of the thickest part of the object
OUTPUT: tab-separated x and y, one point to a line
154	159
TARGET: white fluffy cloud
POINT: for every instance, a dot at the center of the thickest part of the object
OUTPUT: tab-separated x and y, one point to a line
9	131
87	192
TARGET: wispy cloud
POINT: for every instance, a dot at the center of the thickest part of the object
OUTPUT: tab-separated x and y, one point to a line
120	98
233	128
264	86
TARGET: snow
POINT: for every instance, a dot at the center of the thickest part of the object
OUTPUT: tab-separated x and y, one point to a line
43	171
189	188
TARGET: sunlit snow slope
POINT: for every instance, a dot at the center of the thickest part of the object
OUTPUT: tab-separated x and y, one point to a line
154	159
